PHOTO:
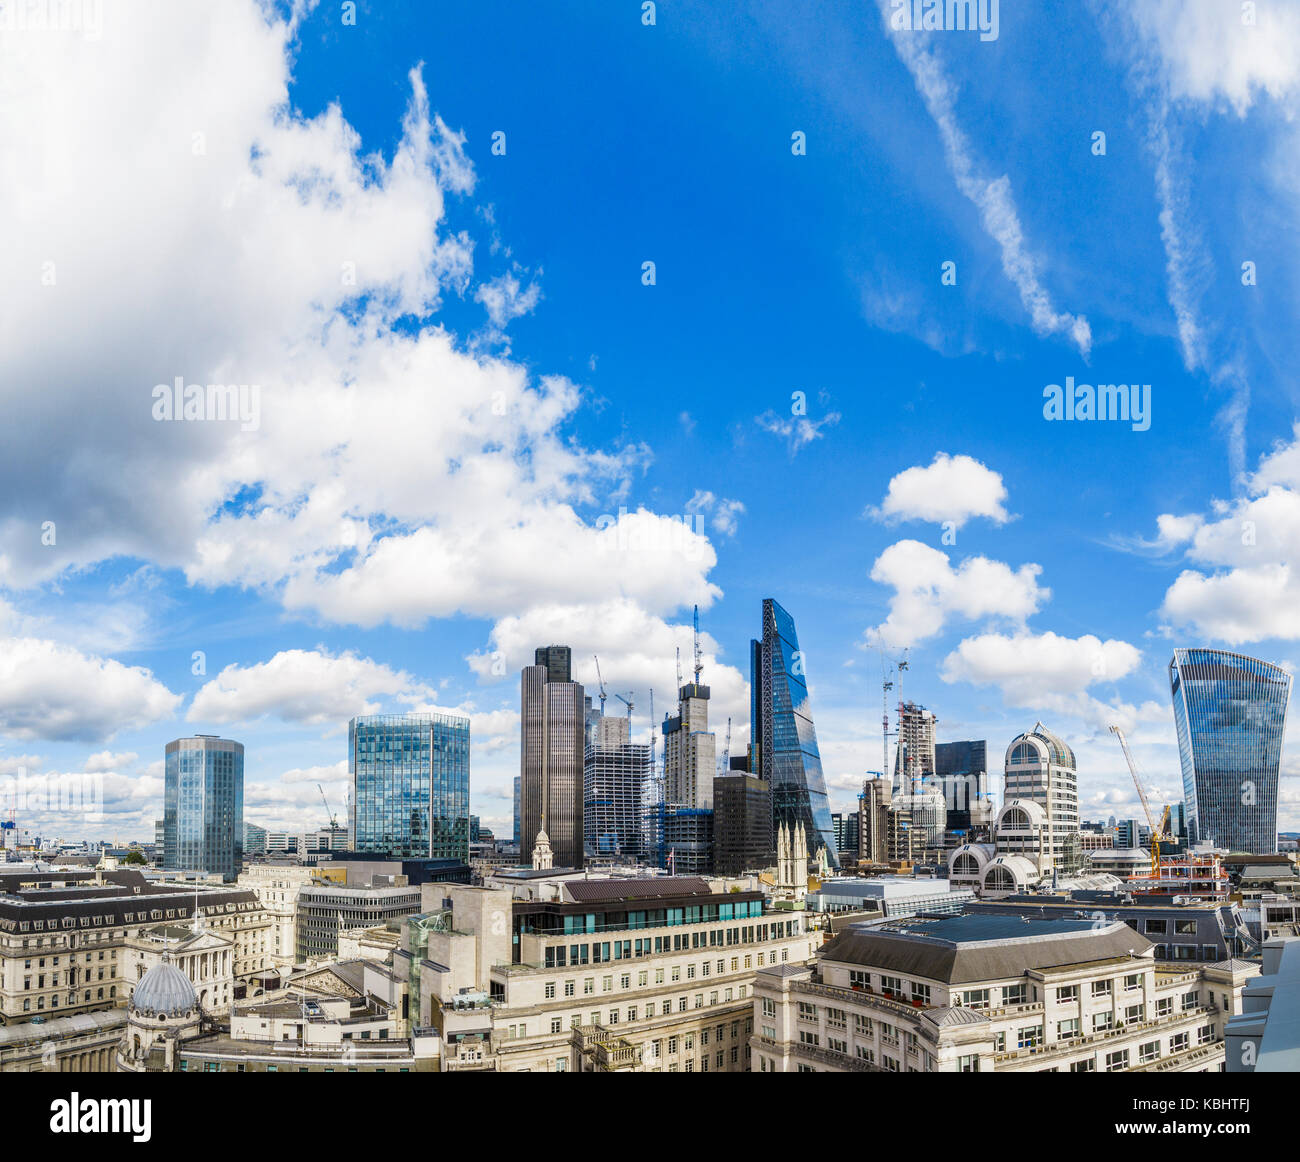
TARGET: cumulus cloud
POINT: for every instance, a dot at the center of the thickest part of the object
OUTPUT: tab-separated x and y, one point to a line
55	692
306	686
991	196
1045	671
950	488
275	251
928	591
1243	587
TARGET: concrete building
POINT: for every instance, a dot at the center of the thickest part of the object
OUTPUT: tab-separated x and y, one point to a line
1041	769
991	994
64	936
914	759
874	823
326	909
1264	1037
690	749
552	745
892	897
276	886
84	1043
594	975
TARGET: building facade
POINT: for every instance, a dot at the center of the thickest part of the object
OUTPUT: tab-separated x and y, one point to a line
1230	714
1041	769
690	749
203	805
410	785
742	824
989	994
784	748
614	772
914	759
552	746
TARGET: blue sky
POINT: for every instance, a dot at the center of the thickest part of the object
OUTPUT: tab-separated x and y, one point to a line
420	503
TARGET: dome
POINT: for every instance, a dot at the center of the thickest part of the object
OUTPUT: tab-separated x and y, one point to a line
1038	746
164	991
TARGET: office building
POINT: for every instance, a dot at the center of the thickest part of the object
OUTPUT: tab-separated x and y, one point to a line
254	839
784	748
614	772
594	975
1040	769
1230	714
552	745
874	823
518	825
992	994
326	909
409	778
1264	1037
690	749
961	774
742	824
845	827
203	805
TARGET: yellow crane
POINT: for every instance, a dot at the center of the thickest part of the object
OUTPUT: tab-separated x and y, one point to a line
1156	832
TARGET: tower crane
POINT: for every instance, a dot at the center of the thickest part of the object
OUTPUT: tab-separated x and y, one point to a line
726	751
699	658
628	703
679	667
601	682
1157	830
334	822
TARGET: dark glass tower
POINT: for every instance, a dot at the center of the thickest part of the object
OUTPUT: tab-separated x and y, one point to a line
410	785
785	752
553	722
203	805
1230	713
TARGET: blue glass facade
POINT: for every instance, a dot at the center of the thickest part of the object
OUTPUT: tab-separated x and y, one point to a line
203	805
1230	713
785	753
410	785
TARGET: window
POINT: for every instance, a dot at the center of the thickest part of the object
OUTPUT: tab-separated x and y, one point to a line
1017	994
550	991
1101	988
970	1064
1189	1002
556	1025
769	1007
1067	993
1087	1065
1102	1021
1180	1042
1133	981
1156	927
975	998
1150	1051
1067	1029
891	985
1029	1037
1164	1006
921	992
1185	927
1117	1061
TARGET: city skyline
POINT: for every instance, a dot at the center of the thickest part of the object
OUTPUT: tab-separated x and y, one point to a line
802	404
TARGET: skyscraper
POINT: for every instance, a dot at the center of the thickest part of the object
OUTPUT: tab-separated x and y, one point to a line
784	751
961	773
1230	714
690	750
410	785
552	743
1041	769
914	759
614	773
203	805
742	824
517	837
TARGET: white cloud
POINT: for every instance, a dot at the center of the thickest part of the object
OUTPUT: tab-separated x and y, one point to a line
274	251
928	591
1247	550
950	488
1044	672
991	196
724	515
53	691
797	431
307	686
108	761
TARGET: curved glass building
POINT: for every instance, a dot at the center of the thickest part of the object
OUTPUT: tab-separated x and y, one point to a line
785	748
1230	712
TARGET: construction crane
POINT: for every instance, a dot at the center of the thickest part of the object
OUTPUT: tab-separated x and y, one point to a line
679	667
601	681
628	703
1146	805
726	751
699	658
334	821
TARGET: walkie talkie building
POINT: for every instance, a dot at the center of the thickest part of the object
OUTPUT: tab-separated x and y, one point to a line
1230	713
785	750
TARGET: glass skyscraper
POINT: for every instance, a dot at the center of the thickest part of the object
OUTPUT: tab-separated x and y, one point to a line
203	805
1230	713
785	751
410	785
